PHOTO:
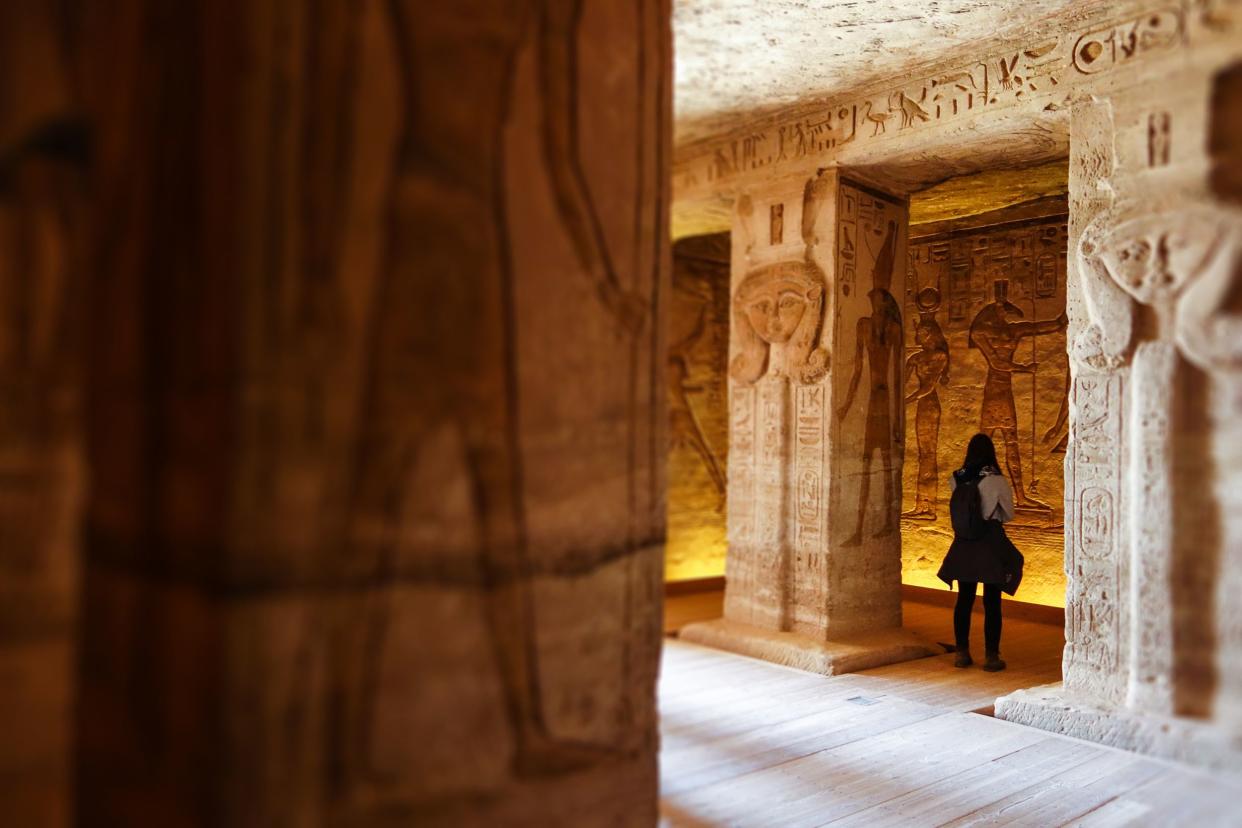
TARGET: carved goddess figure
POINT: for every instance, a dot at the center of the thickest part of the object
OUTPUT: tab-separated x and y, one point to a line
930	366
778	314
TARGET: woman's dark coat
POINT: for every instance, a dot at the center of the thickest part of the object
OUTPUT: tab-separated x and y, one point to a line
990	559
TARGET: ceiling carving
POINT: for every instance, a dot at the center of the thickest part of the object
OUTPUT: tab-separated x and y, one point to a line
740	58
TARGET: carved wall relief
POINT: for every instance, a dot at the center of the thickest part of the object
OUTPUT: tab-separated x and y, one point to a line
871	229
698	407
996	332
987	353
778	320
929	366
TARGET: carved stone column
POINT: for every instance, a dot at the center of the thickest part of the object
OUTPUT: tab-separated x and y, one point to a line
376	426
1151	660
814	563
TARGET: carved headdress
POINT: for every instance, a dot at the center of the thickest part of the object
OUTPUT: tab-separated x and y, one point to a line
780	305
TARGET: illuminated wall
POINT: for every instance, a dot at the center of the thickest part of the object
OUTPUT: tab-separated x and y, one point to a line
986	351
698	408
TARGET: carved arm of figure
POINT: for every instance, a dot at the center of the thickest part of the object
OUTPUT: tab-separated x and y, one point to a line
558	45
927	379
911	364
996	360
1045	326
863	333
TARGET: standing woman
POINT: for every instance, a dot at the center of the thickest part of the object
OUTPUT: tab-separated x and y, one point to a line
981	553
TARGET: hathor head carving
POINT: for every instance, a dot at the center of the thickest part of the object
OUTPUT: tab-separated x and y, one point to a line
781	305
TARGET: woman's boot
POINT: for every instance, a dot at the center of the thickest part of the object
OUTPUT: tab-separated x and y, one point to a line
993	663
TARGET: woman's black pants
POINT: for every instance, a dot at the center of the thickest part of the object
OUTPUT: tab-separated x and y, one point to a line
991	616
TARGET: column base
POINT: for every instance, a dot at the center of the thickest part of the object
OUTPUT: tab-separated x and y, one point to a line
830	658
1051	707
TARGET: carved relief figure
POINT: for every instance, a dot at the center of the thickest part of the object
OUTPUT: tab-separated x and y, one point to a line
469	436
879	120
684	426
908	108
996	332
778	317
930	366
1059	431
879	340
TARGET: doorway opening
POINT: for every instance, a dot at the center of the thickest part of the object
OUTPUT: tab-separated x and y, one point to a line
985	325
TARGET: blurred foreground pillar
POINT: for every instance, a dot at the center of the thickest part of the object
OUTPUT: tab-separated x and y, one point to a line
375	421
42	186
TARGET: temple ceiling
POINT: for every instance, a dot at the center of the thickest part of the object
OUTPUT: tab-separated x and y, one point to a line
740	58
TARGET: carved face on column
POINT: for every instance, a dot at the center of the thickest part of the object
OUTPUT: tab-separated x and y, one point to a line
780	305
1153	257
1185	260
775	313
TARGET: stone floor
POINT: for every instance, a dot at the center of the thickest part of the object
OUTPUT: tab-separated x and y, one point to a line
751	743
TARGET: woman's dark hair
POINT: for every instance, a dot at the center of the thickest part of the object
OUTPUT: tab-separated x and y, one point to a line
980	453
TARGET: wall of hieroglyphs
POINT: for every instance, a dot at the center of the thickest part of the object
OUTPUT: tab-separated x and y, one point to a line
985	351
1145	104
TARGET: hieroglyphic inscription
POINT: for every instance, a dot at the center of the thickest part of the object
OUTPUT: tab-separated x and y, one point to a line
742	465
810	571
847	242
1105	48
1042	69
771	553
1093	632
776	224
808	471
770	477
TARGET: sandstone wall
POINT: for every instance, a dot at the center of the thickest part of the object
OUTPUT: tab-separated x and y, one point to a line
952	277
698	408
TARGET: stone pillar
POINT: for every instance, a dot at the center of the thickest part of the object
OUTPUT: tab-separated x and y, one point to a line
43	154
814	564
376	429
1151	660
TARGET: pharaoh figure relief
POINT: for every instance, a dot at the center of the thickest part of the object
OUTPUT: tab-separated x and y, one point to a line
996	332
929	365
778	319
878	342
